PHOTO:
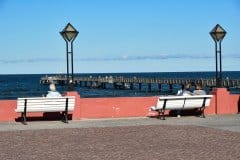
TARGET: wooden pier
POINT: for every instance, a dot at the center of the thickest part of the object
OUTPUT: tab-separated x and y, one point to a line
129	83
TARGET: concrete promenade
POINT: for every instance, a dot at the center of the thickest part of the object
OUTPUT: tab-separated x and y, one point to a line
224	122
188	138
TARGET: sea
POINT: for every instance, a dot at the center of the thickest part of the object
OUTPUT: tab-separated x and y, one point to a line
28	85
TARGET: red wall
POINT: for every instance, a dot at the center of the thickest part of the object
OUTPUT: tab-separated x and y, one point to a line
112	107
7	110
116	107
221	103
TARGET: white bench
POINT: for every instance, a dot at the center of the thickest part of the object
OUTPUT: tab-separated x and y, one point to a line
45	104
181	103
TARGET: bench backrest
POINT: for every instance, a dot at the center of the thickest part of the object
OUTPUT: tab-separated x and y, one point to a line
170	103
183	102
197	101
45	104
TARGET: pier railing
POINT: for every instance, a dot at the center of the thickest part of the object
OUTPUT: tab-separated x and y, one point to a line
122	81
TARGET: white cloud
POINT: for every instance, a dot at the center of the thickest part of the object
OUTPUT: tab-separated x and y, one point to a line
118	58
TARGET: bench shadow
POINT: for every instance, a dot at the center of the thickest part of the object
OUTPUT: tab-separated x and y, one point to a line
47	116
188	112
174	113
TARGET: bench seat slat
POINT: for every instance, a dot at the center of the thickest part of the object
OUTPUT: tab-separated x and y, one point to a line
29	104
193	103
43	110
196	103
170	104
44	104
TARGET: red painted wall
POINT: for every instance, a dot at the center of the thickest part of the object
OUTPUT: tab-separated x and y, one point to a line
234	104
111	107
221	103
116	107
7	110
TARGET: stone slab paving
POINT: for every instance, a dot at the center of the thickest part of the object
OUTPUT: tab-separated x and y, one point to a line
215	137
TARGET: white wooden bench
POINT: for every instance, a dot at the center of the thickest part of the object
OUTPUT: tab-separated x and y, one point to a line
181	103
45	104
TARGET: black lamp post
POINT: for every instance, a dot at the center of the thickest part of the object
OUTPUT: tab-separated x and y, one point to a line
69	33
218	34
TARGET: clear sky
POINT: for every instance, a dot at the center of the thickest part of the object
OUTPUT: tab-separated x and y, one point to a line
117	35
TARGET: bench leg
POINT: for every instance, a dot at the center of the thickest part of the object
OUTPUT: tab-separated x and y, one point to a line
202	112
66	112
64	117
161	114
24	114
24	118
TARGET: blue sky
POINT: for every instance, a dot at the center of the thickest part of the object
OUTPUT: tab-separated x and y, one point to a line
118	35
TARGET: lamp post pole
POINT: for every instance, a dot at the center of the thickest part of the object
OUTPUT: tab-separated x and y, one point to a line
69	33
72	60
218	33
67	61
220	61
216	57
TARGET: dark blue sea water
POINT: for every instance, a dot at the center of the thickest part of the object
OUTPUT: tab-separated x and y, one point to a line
13	86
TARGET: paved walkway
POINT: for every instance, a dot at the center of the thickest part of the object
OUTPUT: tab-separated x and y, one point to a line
225	122
215	137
